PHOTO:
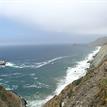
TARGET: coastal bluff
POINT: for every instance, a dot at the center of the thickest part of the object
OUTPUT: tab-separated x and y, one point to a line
88	91
10	99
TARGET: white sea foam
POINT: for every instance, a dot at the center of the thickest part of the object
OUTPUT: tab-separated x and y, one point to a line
76	72
49	61
38	103
9	64
71	74
31	86
38	85
12	74
35	65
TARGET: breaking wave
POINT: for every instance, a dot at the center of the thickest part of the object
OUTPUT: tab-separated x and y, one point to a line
35	65
72	73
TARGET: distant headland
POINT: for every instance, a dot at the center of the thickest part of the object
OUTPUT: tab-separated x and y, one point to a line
90	90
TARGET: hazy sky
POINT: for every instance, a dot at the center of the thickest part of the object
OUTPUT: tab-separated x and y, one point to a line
52	21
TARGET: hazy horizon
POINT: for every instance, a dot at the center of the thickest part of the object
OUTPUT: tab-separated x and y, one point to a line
35	22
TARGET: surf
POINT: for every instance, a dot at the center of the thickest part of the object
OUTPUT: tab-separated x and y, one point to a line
72	73
35	64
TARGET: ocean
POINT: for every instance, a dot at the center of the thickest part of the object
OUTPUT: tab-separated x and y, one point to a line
39	72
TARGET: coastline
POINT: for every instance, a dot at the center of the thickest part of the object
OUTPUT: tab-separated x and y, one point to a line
73	74
80	71
76	72
33	91
63	97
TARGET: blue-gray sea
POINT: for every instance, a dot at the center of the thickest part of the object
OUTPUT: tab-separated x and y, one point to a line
34	72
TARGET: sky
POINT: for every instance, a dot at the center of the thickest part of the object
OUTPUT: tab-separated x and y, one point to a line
52	21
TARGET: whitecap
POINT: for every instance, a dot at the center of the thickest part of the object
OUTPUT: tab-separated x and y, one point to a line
10	64
7	75
31	86
34	65
14	87
71	74
41	64
76	72
36	85
32	74
1	79
35	78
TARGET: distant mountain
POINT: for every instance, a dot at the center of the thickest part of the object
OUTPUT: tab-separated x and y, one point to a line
99	41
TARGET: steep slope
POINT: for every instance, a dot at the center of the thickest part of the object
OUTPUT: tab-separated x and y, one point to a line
88	91
10	99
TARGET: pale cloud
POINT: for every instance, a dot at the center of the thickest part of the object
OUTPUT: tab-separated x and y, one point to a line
71	16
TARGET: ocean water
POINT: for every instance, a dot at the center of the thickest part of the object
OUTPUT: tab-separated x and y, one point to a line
39	72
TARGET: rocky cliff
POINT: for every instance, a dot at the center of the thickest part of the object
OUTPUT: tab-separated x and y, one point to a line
88	91
10	99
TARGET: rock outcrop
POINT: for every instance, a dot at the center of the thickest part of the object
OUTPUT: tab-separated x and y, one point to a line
88	91
10	99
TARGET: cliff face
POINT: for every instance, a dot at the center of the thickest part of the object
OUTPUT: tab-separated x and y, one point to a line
88	91
9	99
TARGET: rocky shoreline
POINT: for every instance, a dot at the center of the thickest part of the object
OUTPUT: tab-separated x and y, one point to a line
88	91
11	99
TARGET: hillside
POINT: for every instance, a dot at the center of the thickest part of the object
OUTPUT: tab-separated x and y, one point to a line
10	99
88	91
